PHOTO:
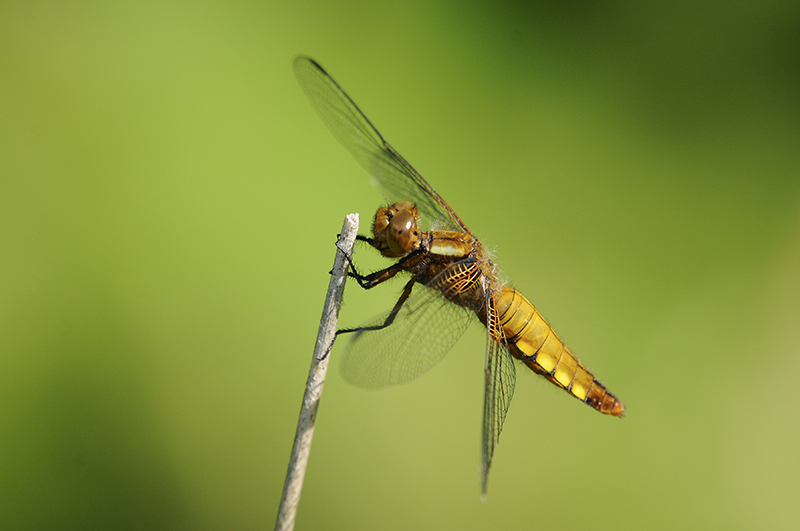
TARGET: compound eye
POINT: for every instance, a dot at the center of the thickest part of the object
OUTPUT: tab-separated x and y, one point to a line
404	205
402	234
381	223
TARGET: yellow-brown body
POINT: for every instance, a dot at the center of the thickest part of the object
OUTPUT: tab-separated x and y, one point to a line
456	264
534	342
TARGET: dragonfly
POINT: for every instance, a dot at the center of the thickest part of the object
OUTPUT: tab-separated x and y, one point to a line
452	282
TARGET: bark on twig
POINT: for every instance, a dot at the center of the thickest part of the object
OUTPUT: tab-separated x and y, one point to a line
316	378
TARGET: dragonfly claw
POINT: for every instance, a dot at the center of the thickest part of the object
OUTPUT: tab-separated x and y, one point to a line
328	350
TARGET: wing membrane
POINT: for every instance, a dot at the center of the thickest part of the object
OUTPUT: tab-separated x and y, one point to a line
398	179
501	377
423	332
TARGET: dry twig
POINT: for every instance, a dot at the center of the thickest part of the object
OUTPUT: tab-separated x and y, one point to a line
316	378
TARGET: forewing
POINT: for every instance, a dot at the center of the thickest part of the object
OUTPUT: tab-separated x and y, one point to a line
500	375
423	332
398	179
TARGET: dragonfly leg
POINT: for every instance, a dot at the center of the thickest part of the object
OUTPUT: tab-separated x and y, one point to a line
365	281
389	318
359	238
373	279
367	239
344	252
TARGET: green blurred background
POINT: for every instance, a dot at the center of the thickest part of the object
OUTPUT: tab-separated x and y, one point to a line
169	203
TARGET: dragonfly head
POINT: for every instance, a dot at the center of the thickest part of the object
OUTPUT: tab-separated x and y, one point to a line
395	229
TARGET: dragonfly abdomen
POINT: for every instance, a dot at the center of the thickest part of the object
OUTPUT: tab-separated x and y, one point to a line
534	342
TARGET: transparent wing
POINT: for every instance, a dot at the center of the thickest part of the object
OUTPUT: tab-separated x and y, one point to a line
423	332
500	376
396	177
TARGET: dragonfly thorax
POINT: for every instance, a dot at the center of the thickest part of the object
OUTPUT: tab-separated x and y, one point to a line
395	229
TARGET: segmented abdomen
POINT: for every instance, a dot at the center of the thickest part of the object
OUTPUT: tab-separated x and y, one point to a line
531	340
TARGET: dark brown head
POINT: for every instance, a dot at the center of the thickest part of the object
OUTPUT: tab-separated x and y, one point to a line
395	229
